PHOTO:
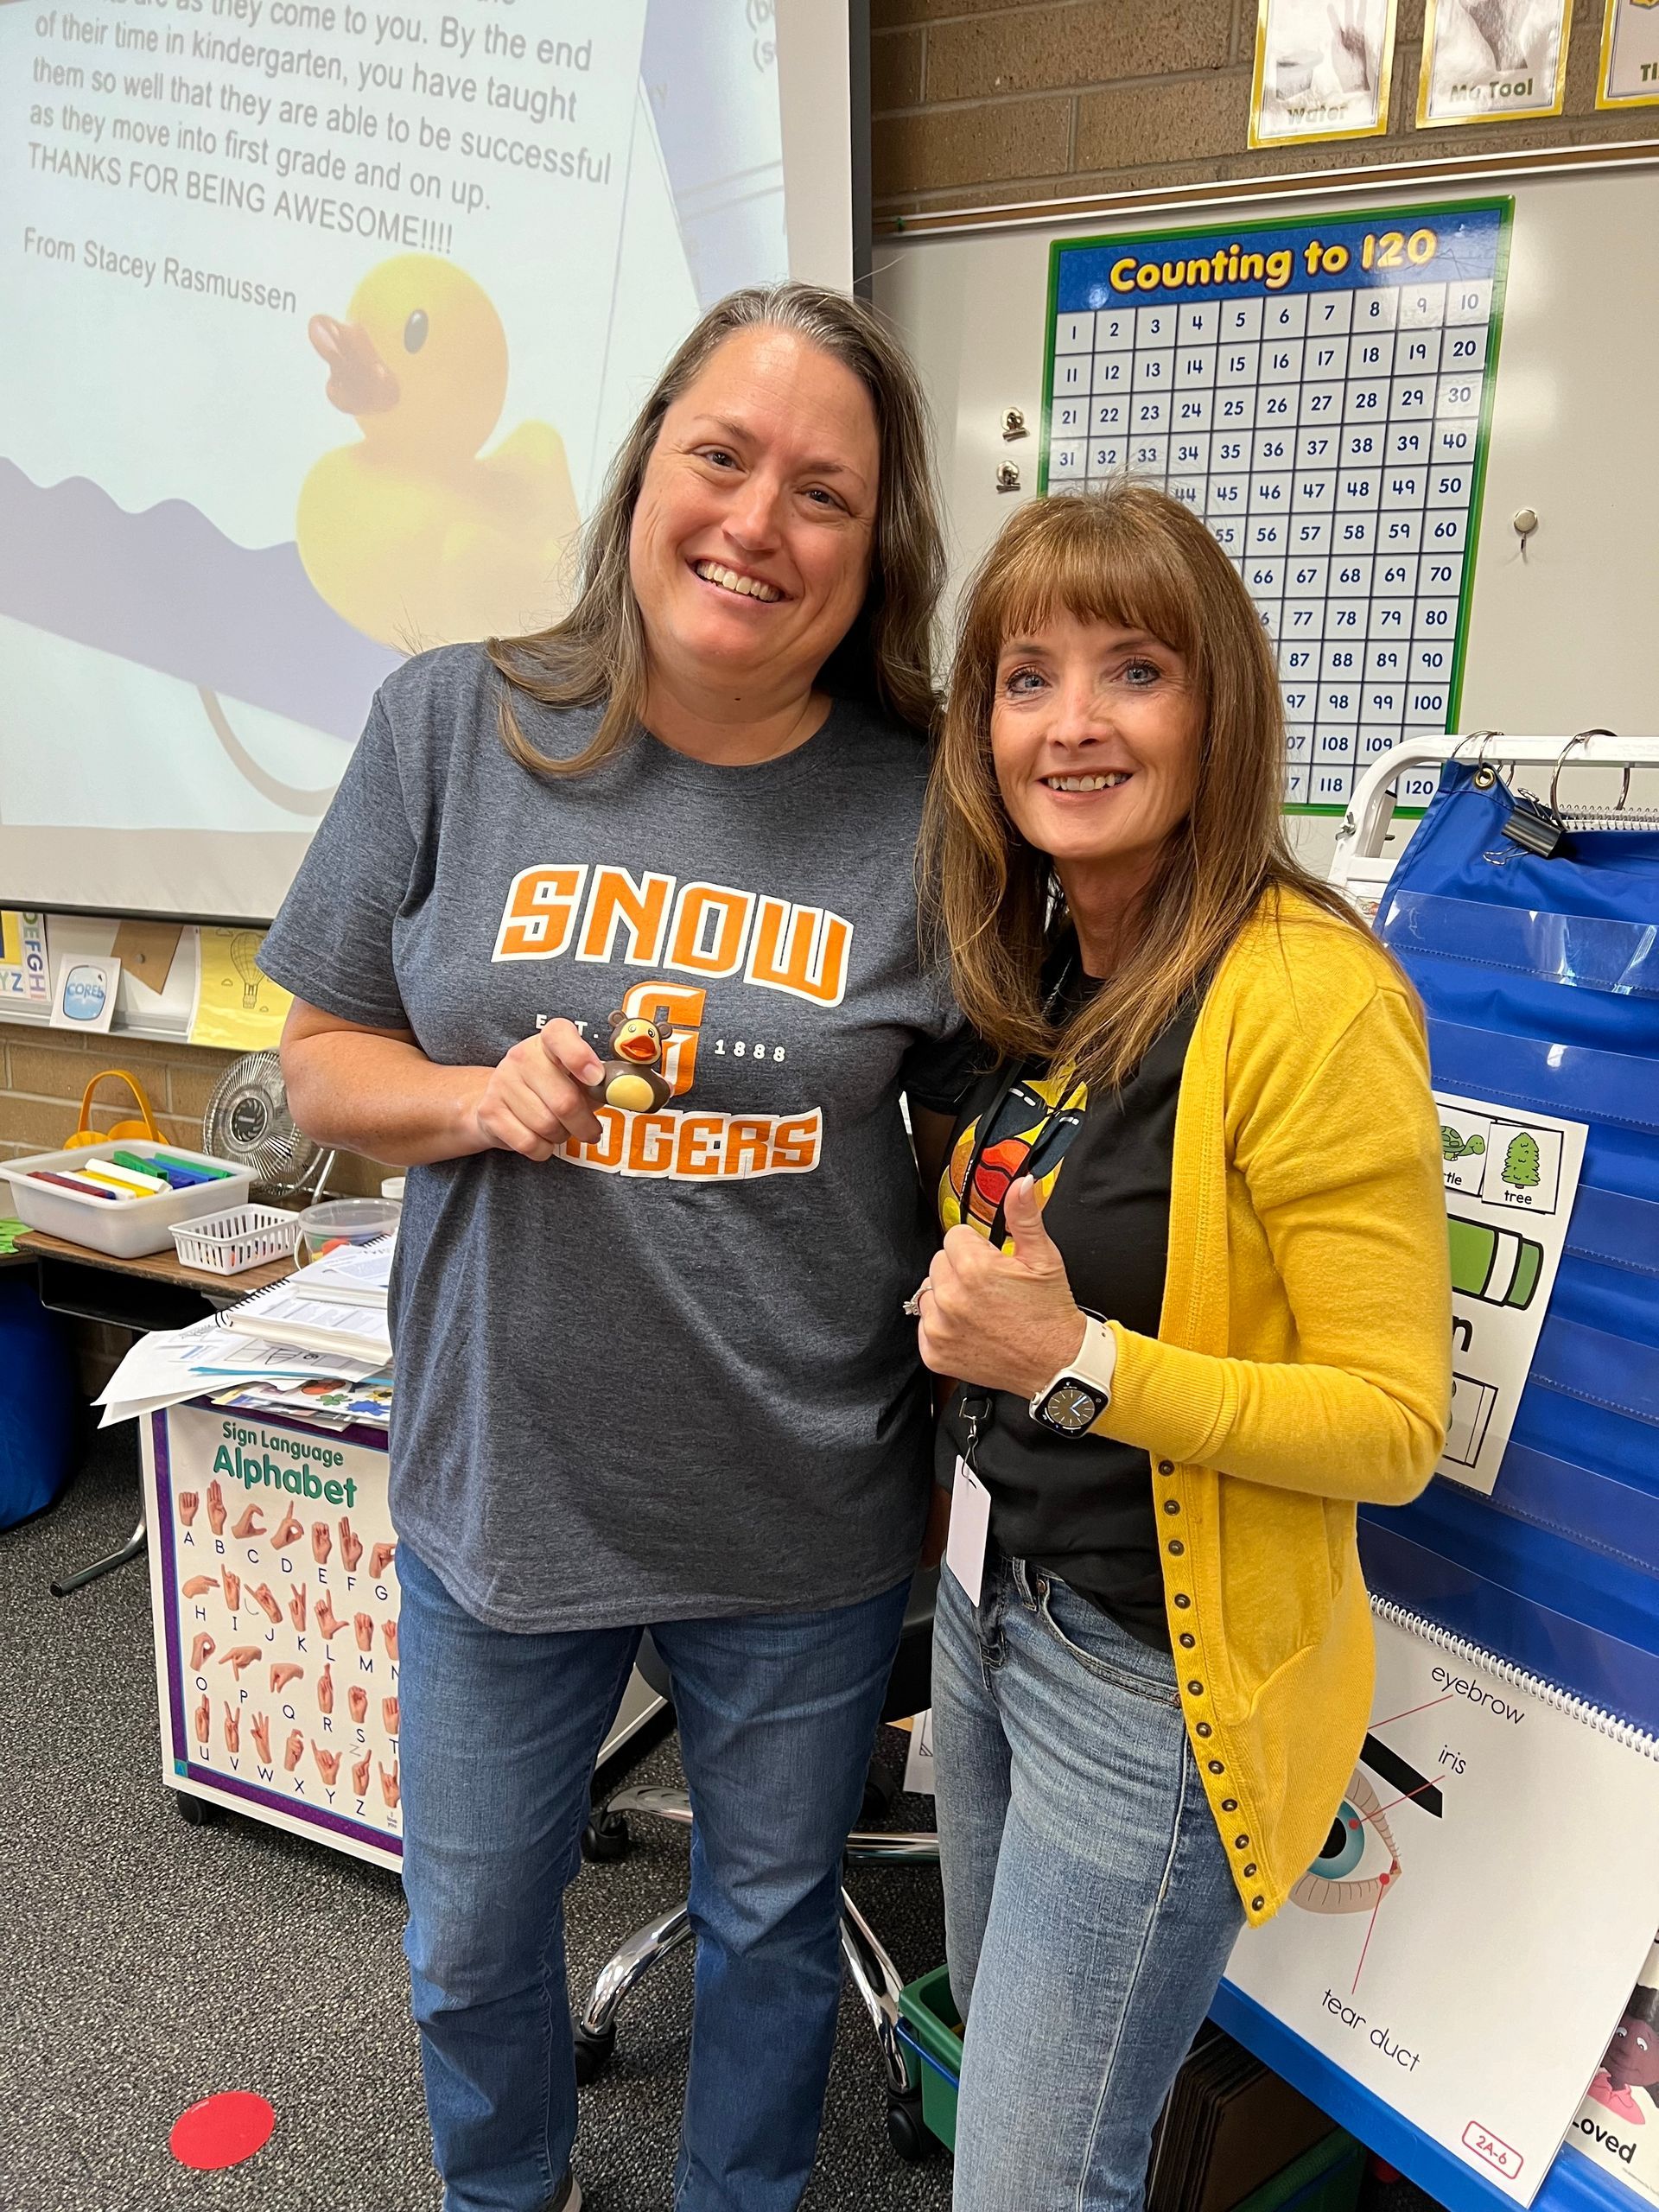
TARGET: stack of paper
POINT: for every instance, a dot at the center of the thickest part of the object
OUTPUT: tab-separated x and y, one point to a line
315	1345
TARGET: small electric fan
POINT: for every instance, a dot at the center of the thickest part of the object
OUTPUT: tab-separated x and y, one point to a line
248	1121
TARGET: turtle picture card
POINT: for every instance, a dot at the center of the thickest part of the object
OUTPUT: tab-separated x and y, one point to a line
1457	1948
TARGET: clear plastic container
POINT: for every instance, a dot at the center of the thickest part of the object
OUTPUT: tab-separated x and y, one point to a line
343	1221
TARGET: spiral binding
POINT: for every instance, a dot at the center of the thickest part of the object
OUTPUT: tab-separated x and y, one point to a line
233	1317
1550	1694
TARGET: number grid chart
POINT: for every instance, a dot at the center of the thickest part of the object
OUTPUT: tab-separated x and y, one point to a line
1319	393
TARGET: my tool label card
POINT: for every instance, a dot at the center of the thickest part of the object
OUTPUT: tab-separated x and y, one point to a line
1510	1186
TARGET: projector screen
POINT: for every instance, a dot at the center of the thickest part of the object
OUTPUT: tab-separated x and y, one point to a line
319	324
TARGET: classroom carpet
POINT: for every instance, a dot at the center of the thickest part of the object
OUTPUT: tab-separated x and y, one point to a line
145	1963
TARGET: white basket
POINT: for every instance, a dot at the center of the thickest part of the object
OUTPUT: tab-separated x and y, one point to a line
226	1243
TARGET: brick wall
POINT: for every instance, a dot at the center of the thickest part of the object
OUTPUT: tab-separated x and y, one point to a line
978	103
42	1075
43	1072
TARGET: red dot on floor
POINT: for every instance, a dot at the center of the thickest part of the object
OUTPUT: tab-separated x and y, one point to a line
221	2130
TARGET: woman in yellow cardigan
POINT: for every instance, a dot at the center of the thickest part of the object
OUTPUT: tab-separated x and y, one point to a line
1194	1292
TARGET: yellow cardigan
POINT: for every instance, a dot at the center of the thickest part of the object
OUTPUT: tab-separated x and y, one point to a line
1302	1363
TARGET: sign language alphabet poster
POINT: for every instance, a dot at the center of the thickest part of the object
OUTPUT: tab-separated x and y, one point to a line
275	1593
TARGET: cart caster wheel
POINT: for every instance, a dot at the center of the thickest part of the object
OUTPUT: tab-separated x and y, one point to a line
906	2129
606	1838
594	2053
196	1811
880	1795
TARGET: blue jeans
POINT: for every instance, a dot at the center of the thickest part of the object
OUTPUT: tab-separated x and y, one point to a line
777	1715
1089	1908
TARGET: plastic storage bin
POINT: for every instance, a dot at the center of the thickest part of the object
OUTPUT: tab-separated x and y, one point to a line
226	1243
1326	2178
126	1228
931	2029
344	1221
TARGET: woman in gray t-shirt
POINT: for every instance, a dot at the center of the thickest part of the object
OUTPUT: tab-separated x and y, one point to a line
610	936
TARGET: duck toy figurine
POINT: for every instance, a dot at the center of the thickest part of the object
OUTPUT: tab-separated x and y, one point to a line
630	1074
412	533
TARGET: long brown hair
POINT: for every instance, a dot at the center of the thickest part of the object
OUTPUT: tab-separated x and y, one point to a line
596	653
1135	557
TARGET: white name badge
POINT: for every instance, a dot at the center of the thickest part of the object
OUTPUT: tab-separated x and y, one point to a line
970	1529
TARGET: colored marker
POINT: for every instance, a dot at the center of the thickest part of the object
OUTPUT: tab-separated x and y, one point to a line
176	1177
137	1186
72	1183
190	1166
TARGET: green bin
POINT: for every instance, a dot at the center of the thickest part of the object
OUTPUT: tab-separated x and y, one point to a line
929	2013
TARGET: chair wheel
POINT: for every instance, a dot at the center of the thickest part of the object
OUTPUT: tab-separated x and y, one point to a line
594	2053
195	1810
906	2129
880	1795
606	1838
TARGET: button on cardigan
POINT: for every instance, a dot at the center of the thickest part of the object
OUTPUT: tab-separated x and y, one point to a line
1302	1362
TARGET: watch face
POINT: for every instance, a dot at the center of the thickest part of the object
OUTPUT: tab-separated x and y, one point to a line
1070	1406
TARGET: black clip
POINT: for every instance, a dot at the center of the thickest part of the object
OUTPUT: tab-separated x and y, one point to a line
1533	826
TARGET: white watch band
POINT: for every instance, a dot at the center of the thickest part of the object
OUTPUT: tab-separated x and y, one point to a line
1094	1361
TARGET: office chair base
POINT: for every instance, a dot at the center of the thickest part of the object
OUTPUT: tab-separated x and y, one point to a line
594	2054
605	1840
907	2131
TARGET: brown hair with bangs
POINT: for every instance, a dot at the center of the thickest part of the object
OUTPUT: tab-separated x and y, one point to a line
1133	557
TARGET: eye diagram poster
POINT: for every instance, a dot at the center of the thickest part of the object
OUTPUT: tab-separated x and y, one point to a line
1617	2125
1319	393
274	1589
1457	1947
1510	1186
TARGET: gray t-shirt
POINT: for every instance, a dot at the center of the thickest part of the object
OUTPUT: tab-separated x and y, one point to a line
668	1376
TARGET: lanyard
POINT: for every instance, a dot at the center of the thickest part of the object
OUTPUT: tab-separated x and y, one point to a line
986	1123
1015	1074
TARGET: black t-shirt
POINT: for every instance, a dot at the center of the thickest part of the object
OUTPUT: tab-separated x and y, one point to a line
1080	1507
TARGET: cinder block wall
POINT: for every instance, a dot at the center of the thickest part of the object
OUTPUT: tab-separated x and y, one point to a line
979	102
44	1071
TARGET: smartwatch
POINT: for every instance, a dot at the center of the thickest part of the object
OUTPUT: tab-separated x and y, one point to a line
1074	1401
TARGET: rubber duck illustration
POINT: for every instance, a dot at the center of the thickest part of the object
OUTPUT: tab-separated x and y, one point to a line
411	533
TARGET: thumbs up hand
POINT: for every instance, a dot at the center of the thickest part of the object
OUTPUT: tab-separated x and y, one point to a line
1004	1320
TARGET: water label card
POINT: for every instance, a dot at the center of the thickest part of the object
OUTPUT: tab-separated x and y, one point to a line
1457	1947
1321	70
1499	1166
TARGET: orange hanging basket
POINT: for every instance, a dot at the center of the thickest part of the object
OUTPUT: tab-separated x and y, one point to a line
86	1133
